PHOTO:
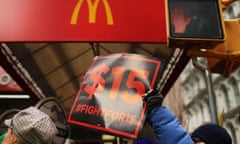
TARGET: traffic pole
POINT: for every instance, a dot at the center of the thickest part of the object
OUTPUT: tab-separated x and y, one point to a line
210	91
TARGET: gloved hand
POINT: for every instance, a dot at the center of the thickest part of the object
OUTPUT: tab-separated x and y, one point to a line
153	99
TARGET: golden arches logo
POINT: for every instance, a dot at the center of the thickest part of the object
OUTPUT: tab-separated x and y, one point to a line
92	10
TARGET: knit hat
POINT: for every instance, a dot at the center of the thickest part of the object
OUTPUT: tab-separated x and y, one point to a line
31	126
212	134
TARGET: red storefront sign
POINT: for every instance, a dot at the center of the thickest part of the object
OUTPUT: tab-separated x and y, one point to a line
83	20
7	84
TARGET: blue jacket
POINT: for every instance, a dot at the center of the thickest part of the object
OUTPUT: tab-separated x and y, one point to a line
167	127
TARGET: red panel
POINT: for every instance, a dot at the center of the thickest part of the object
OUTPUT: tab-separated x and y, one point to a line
7	84
53	20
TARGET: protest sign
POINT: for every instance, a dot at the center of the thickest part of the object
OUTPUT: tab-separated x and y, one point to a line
109	98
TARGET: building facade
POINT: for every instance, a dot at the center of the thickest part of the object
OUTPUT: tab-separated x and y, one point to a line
226	92
195	92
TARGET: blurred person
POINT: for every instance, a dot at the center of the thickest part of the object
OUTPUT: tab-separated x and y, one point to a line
168	129
165	124
30	126
211	134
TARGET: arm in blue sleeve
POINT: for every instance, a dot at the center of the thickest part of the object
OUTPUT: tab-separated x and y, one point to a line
167	127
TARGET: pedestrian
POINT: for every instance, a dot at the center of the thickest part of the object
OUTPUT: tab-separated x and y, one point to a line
168	129
30	126
211	134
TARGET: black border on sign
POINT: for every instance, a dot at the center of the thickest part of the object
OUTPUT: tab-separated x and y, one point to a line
107	130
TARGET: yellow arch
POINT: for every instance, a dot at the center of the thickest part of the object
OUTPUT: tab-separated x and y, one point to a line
76	12
108	12
92	9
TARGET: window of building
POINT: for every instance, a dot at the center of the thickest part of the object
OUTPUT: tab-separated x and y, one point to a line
232	132
224	90
233	82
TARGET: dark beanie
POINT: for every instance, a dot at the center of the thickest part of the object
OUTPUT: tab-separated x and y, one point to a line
212	134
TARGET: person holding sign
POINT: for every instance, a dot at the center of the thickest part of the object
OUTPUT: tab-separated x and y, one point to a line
165	125
168	129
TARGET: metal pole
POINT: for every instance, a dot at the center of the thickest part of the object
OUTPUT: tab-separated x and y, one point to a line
211	96
209	85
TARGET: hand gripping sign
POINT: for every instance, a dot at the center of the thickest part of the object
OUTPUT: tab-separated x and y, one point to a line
109	98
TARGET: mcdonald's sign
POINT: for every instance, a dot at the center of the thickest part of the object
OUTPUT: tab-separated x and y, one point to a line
92	9
83	21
